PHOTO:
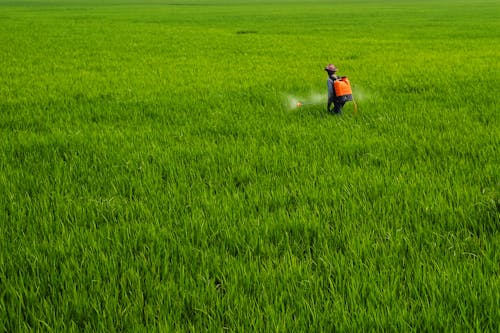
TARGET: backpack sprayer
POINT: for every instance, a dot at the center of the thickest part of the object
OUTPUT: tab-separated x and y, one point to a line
343	91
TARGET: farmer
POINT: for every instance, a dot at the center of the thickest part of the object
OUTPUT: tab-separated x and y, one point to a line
338	104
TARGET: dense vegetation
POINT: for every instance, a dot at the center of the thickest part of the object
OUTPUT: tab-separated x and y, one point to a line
153	176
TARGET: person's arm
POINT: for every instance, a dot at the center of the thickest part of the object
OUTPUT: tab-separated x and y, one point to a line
330	88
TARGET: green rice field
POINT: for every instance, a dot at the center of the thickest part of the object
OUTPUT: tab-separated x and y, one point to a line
156	174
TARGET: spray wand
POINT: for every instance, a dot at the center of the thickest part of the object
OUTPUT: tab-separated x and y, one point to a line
300	104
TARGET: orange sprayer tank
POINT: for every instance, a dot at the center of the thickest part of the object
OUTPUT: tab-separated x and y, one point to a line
343	89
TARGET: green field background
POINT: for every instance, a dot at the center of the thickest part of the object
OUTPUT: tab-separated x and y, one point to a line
154	176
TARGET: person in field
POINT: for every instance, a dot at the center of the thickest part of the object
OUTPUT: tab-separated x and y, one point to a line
338	103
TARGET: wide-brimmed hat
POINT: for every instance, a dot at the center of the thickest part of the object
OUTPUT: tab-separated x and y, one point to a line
331	68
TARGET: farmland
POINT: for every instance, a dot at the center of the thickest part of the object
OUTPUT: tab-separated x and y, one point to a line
155	175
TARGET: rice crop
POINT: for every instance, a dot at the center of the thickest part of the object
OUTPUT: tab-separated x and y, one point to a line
156	174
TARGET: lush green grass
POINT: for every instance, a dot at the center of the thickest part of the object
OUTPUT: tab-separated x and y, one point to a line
153	178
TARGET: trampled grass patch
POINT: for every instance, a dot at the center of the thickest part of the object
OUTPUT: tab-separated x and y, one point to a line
156	176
